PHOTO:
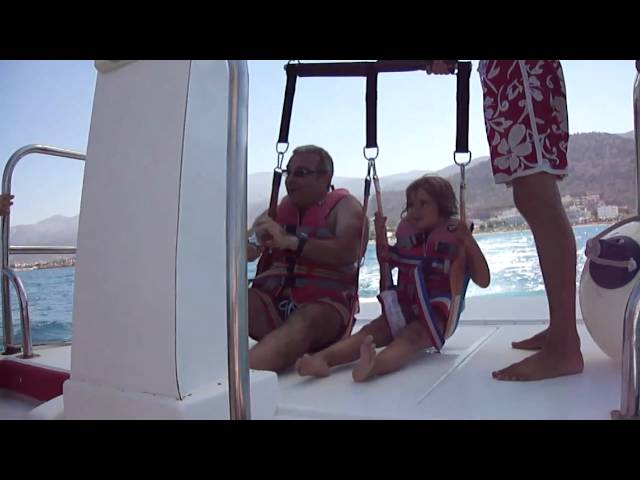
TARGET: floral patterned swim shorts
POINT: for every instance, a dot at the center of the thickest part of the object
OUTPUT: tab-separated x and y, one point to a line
525	112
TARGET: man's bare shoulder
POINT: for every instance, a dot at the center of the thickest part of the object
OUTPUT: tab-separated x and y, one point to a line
349	205
346	211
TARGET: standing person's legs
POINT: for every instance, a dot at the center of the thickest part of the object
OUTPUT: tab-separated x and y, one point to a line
527	129
538	199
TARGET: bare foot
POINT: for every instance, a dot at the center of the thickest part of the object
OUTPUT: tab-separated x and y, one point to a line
533	343
312	366
363	369
541	365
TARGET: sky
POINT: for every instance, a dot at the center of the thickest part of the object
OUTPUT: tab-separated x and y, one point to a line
50	101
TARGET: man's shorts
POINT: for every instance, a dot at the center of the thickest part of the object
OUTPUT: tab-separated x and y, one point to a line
279	309
525	112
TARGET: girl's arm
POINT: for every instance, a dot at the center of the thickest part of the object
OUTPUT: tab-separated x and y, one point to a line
476	262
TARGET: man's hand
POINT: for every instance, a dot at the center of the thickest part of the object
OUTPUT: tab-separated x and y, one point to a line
438	67
253	252
5	204
272	235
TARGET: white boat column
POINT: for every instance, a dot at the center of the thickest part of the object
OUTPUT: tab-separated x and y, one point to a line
152	298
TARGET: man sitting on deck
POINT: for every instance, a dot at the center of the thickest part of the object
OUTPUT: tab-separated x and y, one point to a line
301	299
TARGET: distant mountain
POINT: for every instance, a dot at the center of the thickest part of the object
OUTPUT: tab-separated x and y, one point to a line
630	135
57	230
600	163
259	188
53	231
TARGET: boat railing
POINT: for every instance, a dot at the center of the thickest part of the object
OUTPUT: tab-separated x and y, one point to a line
630	397
7	273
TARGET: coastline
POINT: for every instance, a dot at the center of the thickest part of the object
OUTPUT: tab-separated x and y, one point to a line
58	263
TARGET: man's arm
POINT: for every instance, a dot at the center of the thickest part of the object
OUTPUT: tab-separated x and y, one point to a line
342	250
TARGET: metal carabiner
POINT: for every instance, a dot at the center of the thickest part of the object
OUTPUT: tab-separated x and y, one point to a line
369	157
281	153
455	159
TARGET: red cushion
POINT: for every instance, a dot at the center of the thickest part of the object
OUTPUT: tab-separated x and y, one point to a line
31	380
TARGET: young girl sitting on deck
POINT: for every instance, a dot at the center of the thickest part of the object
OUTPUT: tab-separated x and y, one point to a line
434	250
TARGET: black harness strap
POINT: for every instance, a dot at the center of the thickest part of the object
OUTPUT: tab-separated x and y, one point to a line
371	99
370	70
275	191
462	101
283	138
287	107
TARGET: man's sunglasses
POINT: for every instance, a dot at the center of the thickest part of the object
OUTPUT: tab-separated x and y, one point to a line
302	172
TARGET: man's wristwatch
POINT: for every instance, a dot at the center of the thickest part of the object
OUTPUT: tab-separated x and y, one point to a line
302	241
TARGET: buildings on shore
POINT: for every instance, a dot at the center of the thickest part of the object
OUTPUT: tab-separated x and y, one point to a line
581	210
56	263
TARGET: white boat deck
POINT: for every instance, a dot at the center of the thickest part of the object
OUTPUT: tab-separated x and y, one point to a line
14	406
454	384
457	383
57	357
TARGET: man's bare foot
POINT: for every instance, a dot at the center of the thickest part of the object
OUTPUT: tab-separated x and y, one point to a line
312	366
363	369
543	364
533	343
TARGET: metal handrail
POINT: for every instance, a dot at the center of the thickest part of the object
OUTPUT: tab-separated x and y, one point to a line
34	249
236	230
630	398
5	227
27	347
630	395
636	128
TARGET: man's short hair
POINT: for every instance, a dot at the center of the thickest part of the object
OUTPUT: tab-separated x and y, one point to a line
325	158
